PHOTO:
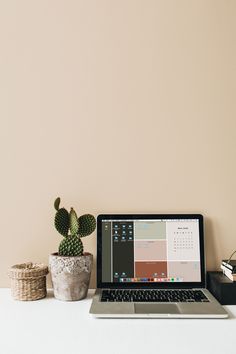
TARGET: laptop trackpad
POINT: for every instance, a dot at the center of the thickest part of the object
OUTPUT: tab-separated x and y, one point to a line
156	308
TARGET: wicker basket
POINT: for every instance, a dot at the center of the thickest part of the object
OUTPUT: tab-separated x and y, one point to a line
28	281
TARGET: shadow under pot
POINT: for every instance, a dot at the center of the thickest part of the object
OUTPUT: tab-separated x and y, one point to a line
70	276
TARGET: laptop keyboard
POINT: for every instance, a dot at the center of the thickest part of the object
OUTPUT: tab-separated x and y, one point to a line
153	295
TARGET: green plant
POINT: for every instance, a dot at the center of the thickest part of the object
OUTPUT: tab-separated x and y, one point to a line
72	228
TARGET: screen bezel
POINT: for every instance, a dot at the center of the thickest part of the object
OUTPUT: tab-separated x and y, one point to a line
154	285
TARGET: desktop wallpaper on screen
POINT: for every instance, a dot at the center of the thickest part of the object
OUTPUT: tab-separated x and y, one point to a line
165	250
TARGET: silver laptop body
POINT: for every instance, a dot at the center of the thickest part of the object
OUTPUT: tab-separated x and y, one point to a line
139	255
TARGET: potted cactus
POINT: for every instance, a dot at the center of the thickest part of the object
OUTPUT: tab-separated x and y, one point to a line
70	267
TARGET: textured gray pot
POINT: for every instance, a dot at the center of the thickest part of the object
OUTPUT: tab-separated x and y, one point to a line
70	276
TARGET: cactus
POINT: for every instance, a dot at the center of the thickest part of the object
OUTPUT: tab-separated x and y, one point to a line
62	221
74	223
57	203
72	228
87	224
71	246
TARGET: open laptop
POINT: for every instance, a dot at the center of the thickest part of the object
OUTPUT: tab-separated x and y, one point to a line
152	266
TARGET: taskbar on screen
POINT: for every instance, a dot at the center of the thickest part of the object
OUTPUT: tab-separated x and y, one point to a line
139	280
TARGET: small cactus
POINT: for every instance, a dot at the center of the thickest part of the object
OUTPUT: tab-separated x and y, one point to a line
87	224
74	223
72	228
62	221
71	246
57	203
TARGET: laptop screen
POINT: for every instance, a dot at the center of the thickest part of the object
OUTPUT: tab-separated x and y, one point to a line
150	250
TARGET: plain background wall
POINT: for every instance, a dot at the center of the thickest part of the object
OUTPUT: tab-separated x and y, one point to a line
116	106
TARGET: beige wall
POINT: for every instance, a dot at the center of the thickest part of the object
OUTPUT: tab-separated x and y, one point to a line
116	106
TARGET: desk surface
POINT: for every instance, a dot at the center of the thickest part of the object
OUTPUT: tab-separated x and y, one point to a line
56	327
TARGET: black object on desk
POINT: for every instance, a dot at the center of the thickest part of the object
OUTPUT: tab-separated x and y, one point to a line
222	288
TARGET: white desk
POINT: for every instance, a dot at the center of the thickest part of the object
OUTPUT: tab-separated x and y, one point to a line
55	327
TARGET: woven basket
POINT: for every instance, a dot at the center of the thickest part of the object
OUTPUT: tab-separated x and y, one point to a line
28	281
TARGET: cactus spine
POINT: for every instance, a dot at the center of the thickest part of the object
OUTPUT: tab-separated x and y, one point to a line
72	228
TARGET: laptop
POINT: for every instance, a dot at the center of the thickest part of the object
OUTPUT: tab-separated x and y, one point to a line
152	266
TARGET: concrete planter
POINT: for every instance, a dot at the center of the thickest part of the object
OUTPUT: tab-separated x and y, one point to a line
70	276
